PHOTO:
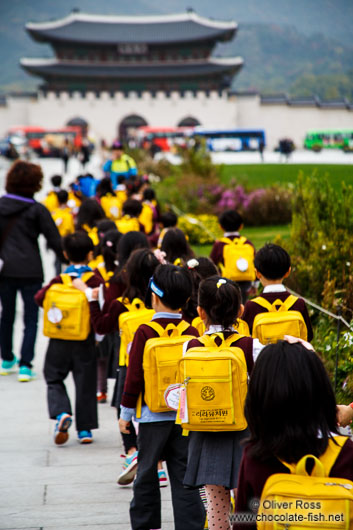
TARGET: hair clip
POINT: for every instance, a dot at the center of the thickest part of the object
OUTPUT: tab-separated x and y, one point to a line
160	255
109	243
192	263
220	282
156	289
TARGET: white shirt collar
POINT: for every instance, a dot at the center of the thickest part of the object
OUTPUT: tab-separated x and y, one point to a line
227	234
275	288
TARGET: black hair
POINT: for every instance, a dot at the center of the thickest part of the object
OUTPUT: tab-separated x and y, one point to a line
169	219
149	194
132	207
89	213
121	179
128	242
290	401
104	187
272	261
230	220
139	268
62	196
77	246
175	246
56	181
102	227
199	269
109	248
220	298
175	284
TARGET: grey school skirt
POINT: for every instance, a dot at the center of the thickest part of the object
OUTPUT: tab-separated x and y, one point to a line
214	458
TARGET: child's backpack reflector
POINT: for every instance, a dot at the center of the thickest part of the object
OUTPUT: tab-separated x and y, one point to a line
215	378
278	320
160	362
299	501
238	259
66	310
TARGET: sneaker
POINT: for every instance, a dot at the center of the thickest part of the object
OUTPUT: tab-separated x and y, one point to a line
61	434
85	437
8	366
102	397
163	479
25	374
129	470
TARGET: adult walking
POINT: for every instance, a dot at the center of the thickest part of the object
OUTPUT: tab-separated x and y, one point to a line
22	220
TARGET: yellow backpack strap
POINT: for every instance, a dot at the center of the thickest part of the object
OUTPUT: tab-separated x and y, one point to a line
233	338
157	328
178	262
164	332
242	239
327	459
66	279
137	304
289	302
226	240
139	406
86	276
263	303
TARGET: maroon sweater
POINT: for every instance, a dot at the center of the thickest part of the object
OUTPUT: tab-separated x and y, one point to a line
106	320
245	344
217	249
252	309
93	281
134	383
253	475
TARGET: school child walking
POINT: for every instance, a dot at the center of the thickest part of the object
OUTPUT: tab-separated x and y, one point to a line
64	221
76	356
264	314
214	457
159	437
291	412
234	253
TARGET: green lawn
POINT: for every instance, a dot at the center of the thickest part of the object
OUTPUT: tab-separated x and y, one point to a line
259	235
263	175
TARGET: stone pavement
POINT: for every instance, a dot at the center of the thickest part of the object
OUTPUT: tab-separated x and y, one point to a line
44	486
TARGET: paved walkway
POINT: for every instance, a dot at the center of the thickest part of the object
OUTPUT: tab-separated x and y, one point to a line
44	486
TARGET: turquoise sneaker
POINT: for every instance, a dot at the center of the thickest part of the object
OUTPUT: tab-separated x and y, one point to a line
85	437
129	470
25	374
61	434
8	366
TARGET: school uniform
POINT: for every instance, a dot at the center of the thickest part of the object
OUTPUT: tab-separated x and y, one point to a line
214	457
79	358
254	473
273	293
217	257
159	438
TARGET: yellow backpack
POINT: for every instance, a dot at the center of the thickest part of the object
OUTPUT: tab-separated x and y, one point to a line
216	383
238	258
299	501
129	322
92	233
66	310
127	224
242	327
64	221
160	362
111	206
51	201
278	320
146	218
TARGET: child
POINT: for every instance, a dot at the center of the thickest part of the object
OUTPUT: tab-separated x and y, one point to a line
78	357
129	221
199	269
214	457
64	221
176	247
241	264
291	412
51	201
272	264
158	435
108	199
90	212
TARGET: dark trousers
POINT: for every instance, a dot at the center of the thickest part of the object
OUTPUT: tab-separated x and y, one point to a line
163	440
8	292
79	358
129	440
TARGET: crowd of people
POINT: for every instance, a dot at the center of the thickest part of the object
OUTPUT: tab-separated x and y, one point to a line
216	348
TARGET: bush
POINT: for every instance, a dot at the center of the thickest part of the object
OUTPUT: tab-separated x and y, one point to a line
201	229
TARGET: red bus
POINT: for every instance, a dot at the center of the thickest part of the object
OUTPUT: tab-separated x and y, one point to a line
48	142
163	137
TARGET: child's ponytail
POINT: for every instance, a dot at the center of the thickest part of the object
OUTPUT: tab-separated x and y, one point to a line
220	298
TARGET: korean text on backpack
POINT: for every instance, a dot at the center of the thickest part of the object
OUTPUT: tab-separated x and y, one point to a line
215	378
160	362
238	259
66	311
299	500
129	322
278	320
